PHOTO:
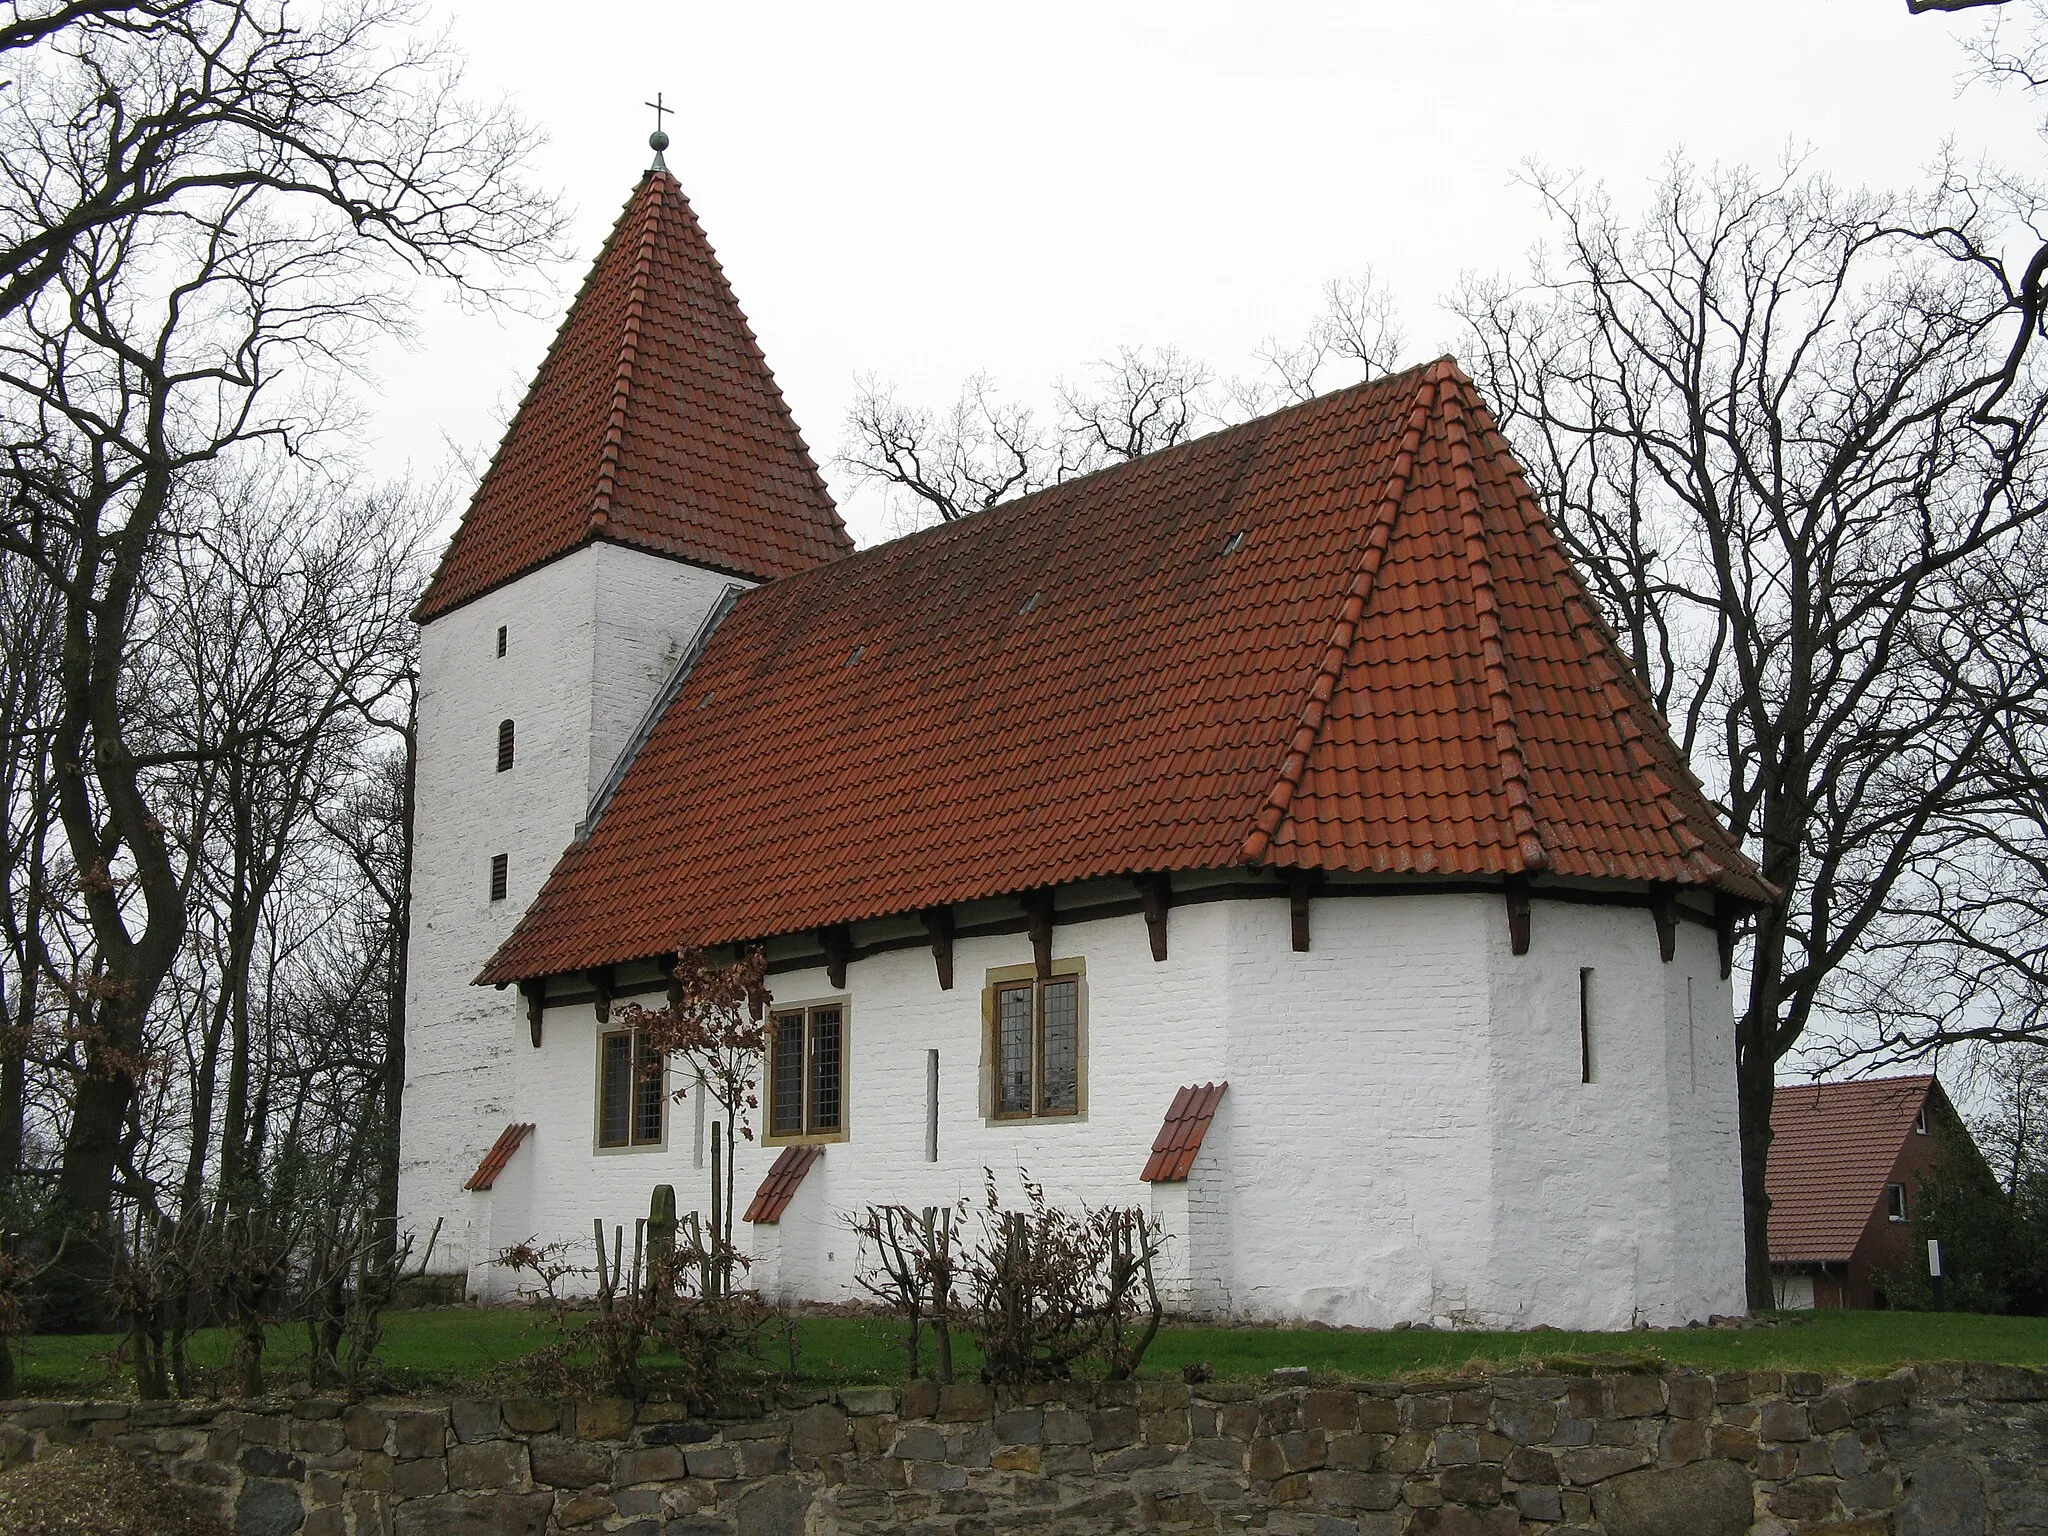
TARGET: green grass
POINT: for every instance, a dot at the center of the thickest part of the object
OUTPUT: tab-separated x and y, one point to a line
452	1347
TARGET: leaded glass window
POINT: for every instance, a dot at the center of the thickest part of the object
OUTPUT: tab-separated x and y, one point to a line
807	1072
1036	1050
631	1091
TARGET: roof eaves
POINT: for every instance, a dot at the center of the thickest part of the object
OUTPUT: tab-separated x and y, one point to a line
1272	815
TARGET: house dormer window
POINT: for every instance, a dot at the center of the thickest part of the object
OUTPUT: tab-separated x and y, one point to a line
1895	1201
504	745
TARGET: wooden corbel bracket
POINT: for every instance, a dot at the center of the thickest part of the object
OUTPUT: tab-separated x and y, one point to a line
938	922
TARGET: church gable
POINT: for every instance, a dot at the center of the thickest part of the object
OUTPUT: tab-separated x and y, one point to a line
1336	638
654	422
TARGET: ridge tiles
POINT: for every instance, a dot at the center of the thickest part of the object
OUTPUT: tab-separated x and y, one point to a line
654	421
1392	671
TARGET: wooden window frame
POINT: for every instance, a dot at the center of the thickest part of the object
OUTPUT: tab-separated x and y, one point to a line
1012	978
1895	1207
809	1136
634	1142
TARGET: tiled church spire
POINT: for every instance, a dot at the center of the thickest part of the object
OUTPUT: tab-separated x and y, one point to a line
654	422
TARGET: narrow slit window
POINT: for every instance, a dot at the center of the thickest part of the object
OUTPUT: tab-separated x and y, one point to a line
1035	1049
1586	1025
631	1090
807	1073
931	1106
504	745
1895	1201
1920	1121
501	639
500	874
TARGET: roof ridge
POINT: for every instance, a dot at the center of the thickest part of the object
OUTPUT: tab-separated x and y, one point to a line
1512	762
629	354
1600	646
1323	686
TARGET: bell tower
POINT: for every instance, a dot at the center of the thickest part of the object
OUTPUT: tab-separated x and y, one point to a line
652	466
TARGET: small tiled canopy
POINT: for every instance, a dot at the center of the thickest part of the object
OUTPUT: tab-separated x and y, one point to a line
500	1154
780	1187
1180	1138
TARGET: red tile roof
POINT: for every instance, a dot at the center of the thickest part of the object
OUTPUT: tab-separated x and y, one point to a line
1833	1145
500	1154
654	422
1180	1138
780	1187
1394	670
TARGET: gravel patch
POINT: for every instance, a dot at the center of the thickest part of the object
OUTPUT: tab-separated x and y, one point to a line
96	1490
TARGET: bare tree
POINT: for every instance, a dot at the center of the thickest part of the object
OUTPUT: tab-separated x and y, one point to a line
1755	419
122	111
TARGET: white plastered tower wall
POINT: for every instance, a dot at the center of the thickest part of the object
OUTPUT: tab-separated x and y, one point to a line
590	639
1405	1139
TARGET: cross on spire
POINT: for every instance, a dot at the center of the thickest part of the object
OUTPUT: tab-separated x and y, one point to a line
658	140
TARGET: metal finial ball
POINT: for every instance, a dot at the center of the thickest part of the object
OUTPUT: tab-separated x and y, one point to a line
657	141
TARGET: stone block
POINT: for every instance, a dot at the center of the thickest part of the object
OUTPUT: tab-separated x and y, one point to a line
1708	1498
1805	1499
369	1514
1304	1449
1944	1497
863	1401
1525	1423
1526	1464
920	1399
1596	1463
415	1433
970	1447
582	1509
1571	1431
1134	1458
820	1430
488	1466
1111	1429
1355	1490
1280	1412
873	1434
1379	1416
1782	1421
529	1415
268	1508
1425	1412
603	1418
1018	1458
1063	1426
1683	1440
1167	1427
1636	1397
375	1472
260	1429
1455	1448
420	1478
1329	1410
1731	1387
1539	1503
475	1514
964	1402
474	1419
1846	1457
677	1432
919	1442
1803	1384
563	1463
365	1428
332	1521
1470	1485
1871	1491
1359	1453
1406	1453
1689	1396
1589	1397
715	1462
267	1461
1154	1396
1264	1460
1291	1489
761	1458
1734	1444
650	1464
323	1437
1828	1413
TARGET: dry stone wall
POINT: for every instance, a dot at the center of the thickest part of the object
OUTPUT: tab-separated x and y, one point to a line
1937	1451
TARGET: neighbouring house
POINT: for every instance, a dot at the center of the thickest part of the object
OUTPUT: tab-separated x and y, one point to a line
1847	1161
1265	832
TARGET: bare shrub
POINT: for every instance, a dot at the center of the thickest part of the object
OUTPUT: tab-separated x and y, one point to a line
908	1261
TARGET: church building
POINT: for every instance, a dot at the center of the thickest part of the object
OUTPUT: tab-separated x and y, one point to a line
1266	833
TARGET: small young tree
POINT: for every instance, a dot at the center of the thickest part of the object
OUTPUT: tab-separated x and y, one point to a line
715	1026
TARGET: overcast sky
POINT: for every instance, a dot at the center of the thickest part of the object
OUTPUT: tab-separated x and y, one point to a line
923	191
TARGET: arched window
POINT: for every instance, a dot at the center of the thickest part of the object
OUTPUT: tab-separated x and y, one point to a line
504	745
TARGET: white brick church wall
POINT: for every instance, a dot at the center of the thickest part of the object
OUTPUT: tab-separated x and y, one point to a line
590	638
1406	1137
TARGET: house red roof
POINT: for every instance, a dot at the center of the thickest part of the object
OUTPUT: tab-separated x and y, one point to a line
785	1176
1180	1138
1340	637
654	422
509	1141
1833	1145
